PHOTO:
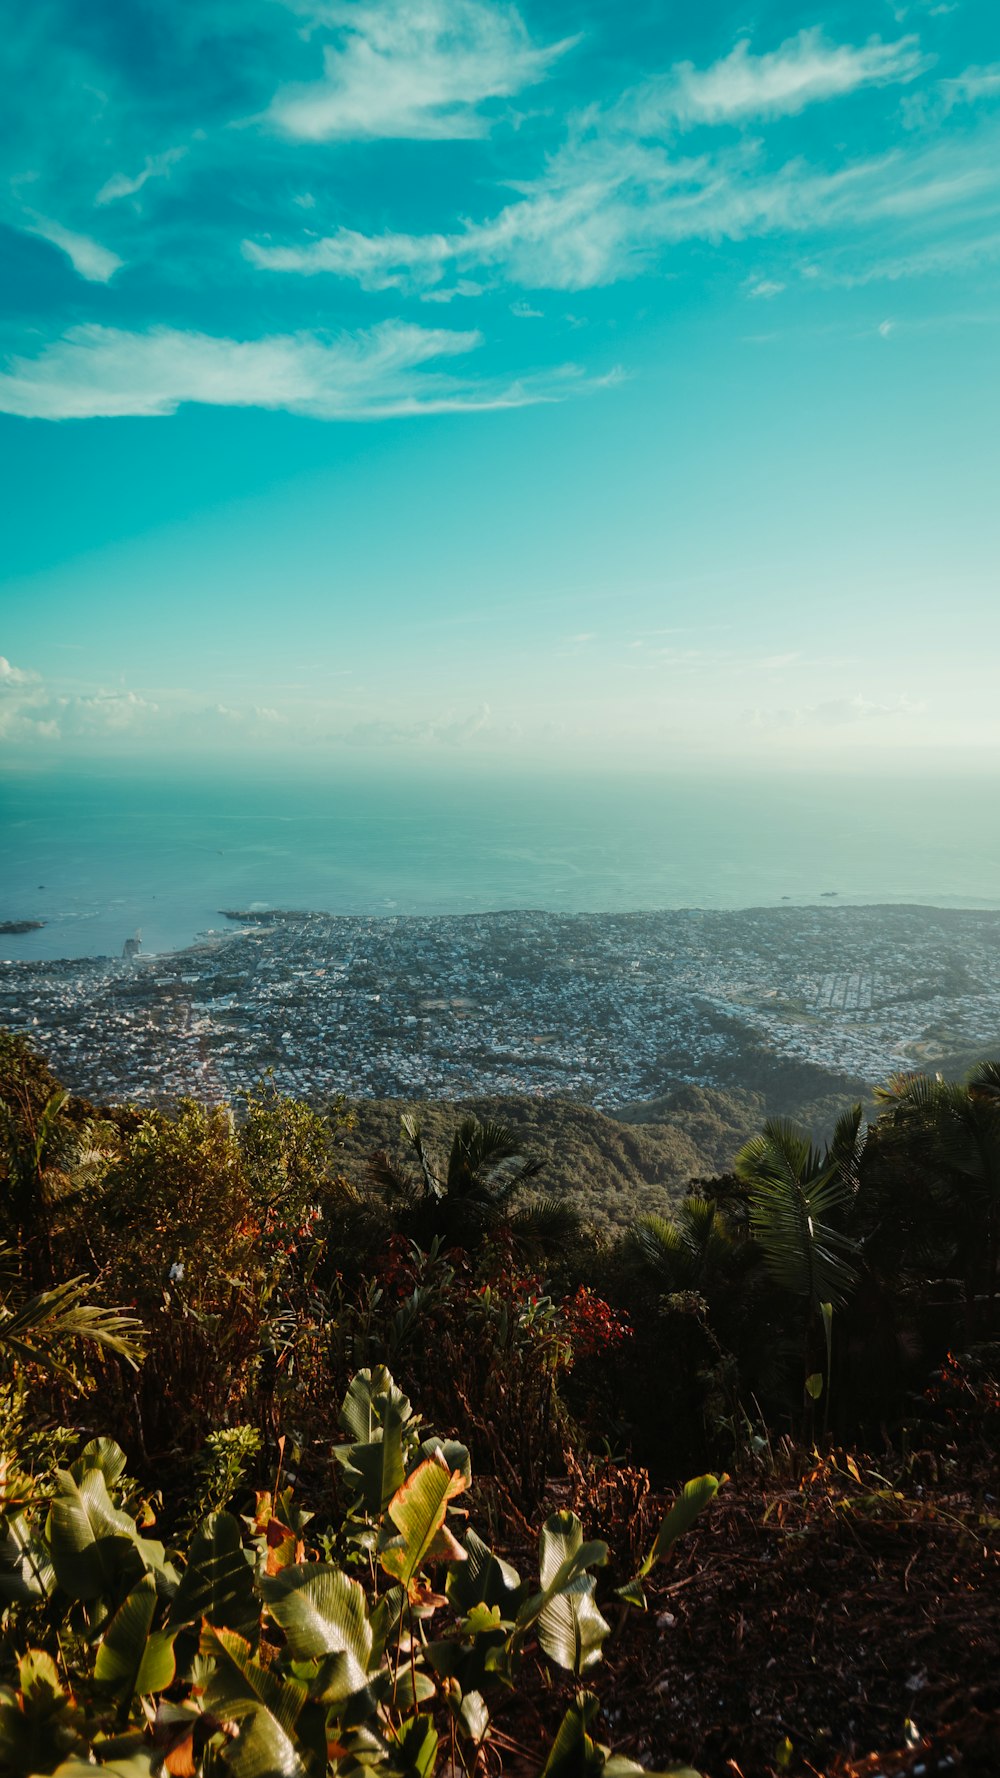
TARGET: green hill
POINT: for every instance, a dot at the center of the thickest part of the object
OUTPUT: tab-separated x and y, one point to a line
611	1169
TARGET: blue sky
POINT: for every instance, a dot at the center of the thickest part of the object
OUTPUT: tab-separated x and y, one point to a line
433	378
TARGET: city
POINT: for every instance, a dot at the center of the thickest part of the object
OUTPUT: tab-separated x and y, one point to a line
605	1009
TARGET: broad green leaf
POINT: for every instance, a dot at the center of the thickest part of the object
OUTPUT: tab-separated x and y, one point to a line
38	1675
266	1706
37	1728
217	1583
386	1620
814	1385
415	1749
323	1612
130	1661
473	1716
455	1455
574	1754
619	1767
570	1628
483	1579
693	1497
405	1690
376	1469
103	1454
418	1512
364	1406
26	1570
92	1543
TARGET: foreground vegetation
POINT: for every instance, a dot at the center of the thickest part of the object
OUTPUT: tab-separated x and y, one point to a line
230	1541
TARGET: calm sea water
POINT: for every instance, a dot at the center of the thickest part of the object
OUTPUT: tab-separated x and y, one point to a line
98	858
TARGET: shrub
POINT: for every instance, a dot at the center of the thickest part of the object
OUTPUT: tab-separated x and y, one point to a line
385	1653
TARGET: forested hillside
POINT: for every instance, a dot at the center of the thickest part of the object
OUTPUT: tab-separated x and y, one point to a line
322	1458
612	1168
609	1170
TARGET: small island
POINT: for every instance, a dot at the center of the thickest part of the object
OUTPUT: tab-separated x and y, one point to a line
14	928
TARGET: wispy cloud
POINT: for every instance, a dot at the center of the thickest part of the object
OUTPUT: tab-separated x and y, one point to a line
952	253
92	261
781	82
121	185
608	204
838	712
975	84
404	71
104	371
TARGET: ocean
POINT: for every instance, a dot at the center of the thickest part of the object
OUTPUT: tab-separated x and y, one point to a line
98	858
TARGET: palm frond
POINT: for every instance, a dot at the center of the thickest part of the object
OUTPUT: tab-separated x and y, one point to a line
847	1146
477	1150
385	1172
544	1224
802	1253
796	1197
413	1131
984	1081
34	1331
654	1244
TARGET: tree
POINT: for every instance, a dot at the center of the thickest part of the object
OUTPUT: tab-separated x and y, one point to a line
472	1196
951	1130
800	1196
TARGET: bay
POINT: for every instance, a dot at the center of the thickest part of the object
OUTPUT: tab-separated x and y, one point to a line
99	857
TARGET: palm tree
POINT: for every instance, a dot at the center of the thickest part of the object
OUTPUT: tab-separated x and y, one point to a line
954	1128
472	1196
691	1250
799	1196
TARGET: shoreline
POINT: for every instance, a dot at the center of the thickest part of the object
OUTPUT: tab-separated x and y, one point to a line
274	920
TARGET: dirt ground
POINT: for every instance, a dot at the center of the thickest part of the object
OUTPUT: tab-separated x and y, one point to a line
840	1627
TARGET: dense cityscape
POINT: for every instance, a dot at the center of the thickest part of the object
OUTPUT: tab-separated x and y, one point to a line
602	1008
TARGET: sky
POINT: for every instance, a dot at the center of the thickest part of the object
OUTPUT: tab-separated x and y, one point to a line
415	380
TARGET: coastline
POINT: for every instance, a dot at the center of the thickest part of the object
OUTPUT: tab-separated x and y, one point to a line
264	919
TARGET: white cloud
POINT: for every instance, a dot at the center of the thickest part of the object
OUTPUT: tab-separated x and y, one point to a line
839	712
100	713
120	185
11	676
447	731
608	204
766	288
947	255
400	70
376	262
782	82
885	328
92	261
32	711
975	84
104	371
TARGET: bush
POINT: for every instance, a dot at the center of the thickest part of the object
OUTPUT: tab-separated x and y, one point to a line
380	1644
